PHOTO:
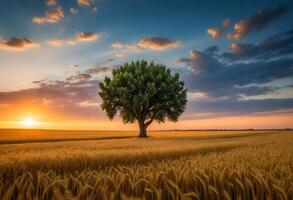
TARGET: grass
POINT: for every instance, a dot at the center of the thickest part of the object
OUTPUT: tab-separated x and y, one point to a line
168	165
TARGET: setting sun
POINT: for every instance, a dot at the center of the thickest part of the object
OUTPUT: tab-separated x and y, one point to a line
29	122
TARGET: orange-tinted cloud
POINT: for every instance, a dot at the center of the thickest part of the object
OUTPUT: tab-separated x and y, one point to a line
86	37
50	16
235	47
158	43
56	42
257	22
241	29
226	22
18	44
75	97
124	49
79	37
85	2
51	2
215	33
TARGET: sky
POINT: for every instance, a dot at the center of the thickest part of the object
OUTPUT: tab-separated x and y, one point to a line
236	58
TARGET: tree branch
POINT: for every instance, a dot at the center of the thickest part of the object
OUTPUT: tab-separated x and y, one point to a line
149	122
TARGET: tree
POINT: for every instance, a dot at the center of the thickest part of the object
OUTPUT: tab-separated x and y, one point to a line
143	92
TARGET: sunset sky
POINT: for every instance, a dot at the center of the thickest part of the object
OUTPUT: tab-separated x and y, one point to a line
236	58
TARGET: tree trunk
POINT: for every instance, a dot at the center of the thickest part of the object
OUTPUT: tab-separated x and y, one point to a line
142	129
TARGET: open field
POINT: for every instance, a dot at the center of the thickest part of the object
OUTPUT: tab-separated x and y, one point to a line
168	165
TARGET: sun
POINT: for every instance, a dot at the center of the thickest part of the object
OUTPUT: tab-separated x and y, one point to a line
29	122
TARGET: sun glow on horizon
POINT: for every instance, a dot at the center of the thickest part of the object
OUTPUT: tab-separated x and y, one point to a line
29	122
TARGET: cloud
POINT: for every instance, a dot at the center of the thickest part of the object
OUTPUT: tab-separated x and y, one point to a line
123	49
212	50
158	43
199	61
94	9
73	11
120	55
278	45
18	44
92	72
84	2
97	70
79	77
56	42
132	48
257	22
86	37
207	74
74	97
79	37
220	88
226	22
60	99
233	107
215	33
126	47
117	45
53	16
196	96
51	2
247	70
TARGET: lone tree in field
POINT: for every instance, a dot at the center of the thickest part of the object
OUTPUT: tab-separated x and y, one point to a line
144	92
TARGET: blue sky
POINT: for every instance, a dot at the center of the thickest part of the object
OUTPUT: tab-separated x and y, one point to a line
45	41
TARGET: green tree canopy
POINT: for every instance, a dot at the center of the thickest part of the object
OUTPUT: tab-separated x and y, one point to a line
143	92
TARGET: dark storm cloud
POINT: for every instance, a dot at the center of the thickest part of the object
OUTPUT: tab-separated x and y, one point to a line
278	45
232	106
228	80
212	49
218	79
258	21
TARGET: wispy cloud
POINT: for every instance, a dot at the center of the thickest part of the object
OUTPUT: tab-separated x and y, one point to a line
73	11
118	45
57	42
79	37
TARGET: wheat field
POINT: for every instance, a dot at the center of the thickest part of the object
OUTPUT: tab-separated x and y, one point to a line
61	165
